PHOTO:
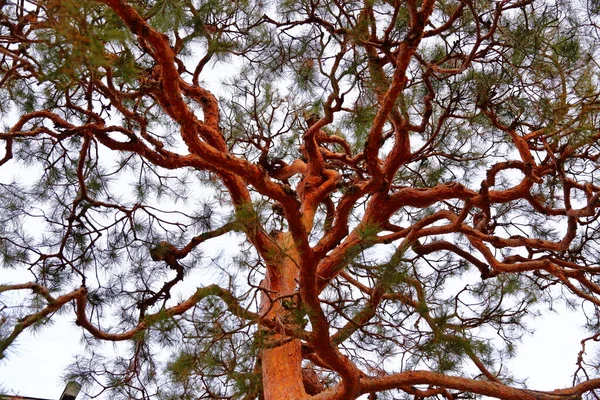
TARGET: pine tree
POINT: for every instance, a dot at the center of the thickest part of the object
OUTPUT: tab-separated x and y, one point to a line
398	189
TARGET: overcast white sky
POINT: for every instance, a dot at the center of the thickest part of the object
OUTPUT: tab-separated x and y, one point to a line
35	366
36	363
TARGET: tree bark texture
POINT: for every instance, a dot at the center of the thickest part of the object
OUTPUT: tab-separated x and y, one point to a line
281	360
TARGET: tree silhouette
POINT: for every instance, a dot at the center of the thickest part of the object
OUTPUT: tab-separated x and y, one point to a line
398	189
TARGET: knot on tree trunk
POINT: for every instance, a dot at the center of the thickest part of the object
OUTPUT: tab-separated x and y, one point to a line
311	381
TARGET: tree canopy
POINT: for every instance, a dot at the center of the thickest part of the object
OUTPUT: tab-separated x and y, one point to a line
398	189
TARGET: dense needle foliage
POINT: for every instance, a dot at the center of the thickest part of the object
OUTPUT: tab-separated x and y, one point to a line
301	199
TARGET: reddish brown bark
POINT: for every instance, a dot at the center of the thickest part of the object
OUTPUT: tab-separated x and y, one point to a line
282	372
281	360
334	175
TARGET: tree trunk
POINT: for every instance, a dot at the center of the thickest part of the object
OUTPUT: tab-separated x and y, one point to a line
282	372
282	363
